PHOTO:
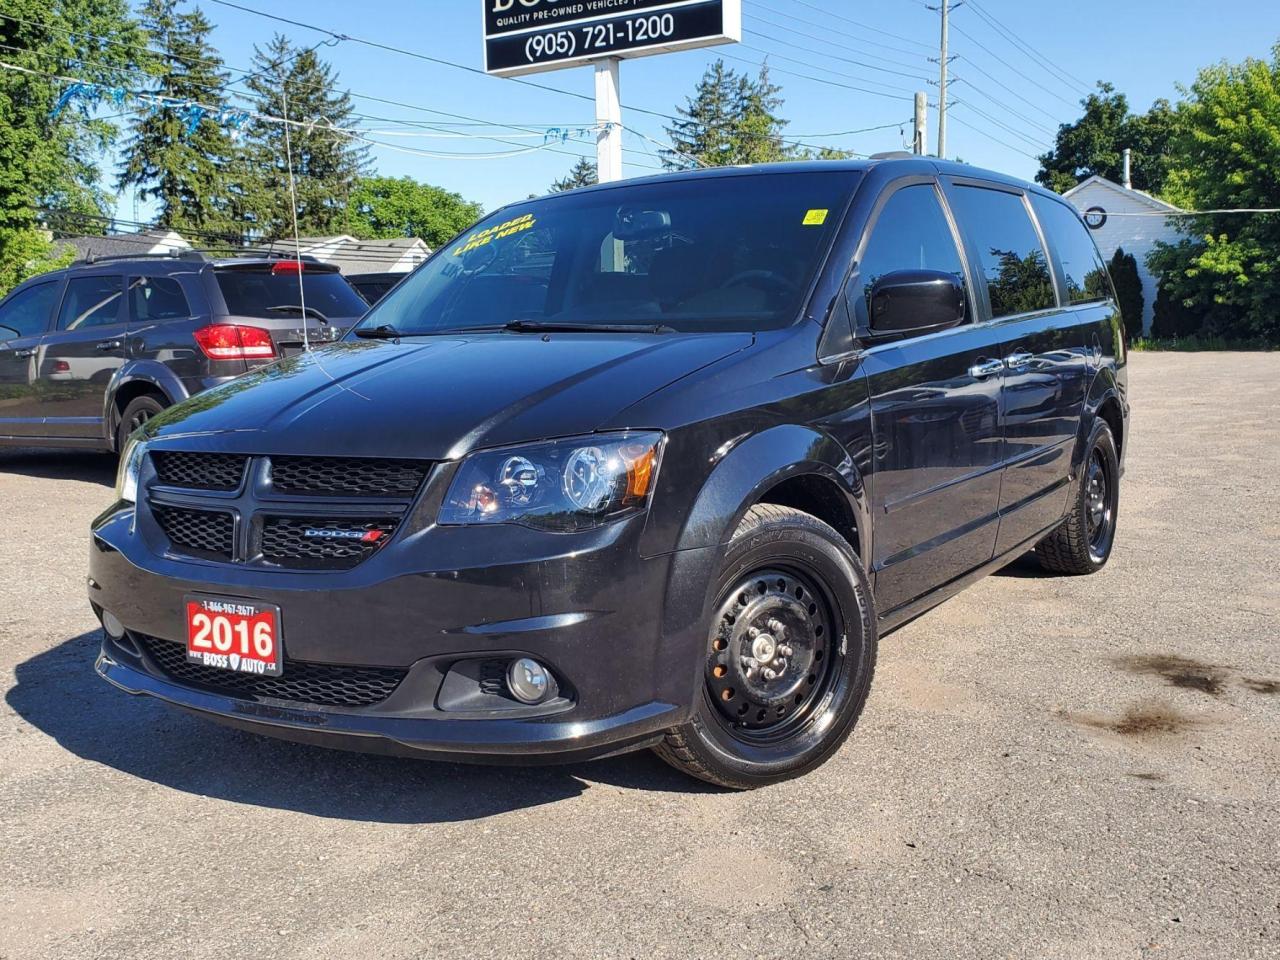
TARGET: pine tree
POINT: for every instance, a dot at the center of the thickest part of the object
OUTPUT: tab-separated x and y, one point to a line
1128	284
327	162
730	119
181	168
583	174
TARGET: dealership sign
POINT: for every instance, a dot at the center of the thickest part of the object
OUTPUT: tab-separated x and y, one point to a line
528	36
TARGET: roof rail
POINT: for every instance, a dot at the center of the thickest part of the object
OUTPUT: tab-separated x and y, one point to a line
175	254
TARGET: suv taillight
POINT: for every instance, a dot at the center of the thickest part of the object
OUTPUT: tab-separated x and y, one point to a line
231	341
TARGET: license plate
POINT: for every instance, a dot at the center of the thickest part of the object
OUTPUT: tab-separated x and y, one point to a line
242	636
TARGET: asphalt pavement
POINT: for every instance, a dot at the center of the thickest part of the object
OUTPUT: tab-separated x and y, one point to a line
1047	767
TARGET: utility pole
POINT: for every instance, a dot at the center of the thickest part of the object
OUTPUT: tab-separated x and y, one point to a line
919	138
942	86
608	121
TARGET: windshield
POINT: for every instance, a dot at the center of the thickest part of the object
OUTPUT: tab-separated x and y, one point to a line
253	292
731	253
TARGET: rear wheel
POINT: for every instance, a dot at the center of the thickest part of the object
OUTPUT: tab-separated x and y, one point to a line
1082	544
789	657
138	411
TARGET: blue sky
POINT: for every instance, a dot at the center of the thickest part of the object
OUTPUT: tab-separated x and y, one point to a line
1144	47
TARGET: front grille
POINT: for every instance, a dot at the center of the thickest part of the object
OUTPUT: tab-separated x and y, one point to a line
204	531
347	476
318	684
285	540
199	471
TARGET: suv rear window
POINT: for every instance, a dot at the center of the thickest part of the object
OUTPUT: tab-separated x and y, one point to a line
252	292
1013	262
1081	266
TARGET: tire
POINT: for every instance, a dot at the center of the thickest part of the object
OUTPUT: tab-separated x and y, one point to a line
791	595
139	411
1083	542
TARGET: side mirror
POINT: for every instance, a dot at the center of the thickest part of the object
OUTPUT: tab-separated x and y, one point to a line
916	301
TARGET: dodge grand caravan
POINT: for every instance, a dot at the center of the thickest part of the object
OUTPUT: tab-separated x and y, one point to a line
649	464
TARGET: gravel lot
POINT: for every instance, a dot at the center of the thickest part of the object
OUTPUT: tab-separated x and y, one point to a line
1046	768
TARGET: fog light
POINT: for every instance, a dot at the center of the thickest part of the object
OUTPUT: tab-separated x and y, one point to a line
114	628
527	680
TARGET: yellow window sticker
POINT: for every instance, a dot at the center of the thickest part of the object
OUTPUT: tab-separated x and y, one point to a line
501	231
815	218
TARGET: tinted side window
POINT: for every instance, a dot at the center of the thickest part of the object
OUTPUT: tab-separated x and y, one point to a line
1082	267
91	302
157	298
1014	264
27	313
911	233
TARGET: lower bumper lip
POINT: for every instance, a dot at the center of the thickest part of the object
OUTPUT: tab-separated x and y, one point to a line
455	739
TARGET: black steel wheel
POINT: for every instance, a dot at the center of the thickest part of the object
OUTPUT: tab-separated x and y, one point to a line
789	657
1082	543
770	654
135	415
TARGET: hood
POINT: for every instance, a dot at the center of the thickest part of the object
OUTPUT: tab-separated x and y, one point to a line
440	397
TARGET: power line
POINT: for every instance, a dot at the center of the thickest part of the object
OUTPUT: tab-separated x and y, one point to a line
1000	103
1001	124
1040	59
865	26
825	40
997	58
965	123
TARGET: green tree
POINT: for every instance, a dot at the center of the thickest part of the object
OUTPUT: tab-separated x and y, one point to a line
327	161
49	158
730	119
387	207
1095	144
583	174
181	169
1226	155
1128	285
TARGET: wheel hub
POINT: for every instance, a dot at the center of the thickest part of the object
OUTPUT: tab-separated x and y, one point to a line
768	648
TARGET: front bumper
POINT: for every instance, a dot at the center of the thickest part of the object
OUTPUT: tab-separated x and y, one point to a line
586	605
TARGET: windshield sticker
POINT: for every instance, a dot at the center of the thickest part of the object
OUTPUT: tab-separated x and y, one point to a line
500	232
815	218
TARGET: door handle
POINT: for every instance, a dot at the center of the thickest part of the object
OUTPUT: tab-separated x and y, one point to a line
110	345
24	354
986	368
1015	361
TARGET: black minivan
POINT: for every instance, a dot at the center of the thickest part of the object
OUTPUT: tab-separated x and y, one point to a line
648	464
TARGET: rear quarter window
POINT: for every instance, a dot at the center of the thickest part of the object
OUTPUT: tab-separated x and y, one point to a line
1083	273
1013	262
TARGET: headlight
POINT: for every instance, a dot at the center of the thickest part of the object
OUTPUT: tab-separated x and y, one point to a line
130	467
562	485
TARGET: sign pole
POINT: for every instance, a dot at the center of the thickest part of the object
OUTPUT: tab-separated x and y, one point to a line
608	121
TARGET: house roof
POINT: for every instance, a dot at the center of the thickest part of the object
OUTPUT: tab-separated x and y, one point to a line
126	244
1139	195
356	256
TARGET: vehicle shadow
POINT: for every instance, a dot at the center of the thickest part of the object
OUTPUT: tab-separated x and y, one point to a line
58	692
88	466
1026	567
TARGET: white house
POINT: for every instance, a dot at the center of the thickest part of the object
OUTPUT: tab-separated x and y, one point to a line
1120	216
352	256
147	243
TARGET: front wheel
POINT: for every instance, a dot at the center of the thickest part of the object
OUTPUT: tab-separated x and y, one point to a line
789	658
1083	542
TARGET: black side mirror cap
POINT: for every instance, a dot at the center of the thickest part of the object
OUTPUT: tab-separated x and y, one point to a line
916	301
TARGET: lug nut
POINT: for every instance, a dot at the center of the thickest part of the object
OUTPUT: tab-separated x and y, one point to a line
777	626
770	673
784	651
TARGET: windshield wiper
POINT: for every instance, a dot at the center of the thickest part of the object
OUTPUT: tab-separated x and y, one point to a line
565	326
383	331
298	308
